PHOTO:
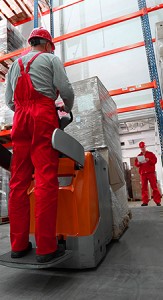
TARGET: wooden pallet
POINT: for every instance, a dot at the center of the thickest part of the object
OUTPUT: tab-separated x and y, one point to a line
4	220
134	199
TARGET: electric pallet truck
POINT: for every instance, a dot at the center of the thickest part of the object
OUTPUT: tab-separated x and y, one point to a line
84	216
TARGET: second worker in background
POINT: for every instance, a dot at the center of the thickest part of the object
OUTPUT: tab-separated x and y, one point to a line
146	162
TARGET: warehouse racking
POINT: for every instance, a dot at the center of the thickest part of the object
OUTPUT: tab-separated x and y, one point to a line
19	13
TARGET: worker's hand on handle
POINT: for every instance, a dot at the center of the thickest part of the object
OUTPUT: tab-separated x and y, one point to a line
65	118
62	108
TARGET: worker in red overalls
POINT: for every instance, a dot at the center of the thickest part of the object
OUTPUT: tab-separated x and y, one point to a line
146	161
34	82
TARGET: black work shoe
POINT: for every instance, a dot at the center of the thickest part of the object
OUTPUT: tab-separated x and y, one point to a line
48	257
19	254
158	204
144	204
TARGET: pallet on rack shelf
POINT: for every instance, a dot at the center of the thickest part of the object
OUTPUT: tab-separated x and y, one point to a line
134	199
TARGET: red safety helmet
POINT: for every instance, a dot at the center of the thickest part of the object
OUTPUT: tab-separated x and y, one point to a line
42	33
141	145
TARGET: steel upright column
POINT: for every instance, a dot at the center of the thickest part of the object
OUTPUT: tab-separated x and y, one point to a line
35	13
51	19
152	69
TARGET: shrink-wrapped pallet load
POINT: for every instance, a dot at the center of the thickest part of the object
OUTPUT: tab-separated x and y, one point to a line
10	40
10	37
95	126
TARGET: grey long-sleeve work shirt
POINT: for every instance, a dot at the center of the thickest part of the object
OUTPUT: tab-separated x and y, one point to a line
47	74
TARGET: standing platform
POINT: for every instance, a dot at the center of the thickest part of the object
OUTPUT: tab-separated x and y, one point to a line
29	261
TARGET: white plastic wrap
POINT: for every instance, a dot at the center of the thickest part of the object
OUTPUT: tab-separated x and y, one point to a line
10	40
4	191
95	126
10	37
6	115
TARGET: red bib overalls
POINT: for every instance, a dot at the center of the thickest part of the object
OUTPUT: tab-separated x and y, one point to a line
34	121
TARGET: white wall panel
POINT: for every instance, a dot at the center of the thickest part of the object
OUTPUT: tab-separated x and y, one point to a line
104	40
97	11
153	2
118	70
155	17
141	97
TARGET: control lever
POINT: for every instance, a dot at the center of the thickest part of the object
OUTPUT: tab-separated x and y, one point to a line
64	121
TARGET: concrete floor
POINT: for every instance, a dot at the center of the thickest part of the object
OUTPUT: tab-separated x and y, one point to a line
139	202
131	270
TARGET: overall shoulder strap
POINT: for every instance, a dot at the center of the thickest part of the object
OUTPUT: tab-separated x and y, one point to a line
21	65
31	61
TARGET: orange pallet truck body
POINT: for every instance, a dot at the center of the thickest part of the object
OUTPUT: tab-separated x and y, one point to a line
84	220
78	211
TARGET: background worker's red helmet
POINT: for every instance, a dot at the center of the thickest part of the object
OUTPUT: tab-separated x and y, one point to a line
141	145
42	33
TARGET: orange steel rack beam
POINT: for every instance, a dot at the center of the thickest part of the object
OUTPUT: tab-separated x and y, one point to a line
150	9
118	111
106	53
47	12
96	27
13	54
5	138
157	7
133	88
80	60
8	145
5	132
99	26
137	107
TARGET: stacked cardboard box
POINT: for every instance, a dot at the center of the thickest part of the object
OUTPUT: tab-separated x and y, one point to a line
135	180
127	174
95	126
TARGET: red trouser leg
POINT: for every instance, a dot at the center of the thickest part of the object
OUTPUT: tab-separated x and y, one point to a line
21	174
153	183
144	181
45	160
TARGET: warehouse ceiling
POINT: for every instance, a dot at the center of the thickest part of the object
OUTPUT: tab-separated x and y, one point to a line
136	126
16	10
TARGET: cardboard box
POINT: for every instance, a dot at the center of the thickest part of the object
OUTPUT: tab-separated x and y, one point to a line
136	189
132	161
